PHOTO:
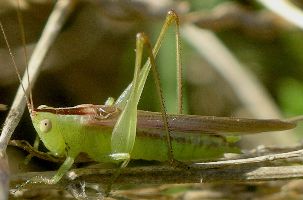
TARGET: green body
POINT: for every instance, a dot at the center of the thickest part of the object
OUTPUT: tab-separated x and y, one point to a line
72	134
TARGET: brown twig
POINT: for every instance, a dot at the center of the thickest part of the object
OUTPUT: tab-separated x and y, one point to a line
168	175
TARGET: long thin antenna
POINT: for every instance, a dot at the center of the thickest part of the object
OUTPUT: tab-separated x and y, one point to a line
21	26
13	61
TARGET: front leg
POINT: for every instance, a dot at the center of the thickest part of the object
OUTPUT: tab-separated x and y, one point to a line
56	178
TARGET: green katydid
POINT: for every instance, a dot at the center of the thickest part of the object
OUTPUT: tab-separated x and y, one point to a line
117	132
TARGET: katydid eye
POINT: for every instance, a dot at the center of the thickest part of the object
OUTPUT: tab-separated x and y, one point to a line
45	125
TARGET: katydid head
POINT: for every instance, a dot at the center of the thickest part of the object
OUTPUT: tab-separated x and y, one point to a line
46	125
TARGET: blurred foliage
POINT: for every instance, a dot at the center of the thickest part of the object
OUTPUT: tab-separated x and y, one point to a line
291	96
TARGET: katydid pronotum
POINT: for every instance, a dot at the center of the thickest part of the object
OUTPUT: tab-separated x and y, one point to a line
118	132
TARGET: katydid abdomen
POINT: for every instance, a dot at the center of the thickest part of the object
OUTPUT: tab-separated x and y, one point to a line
148	146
